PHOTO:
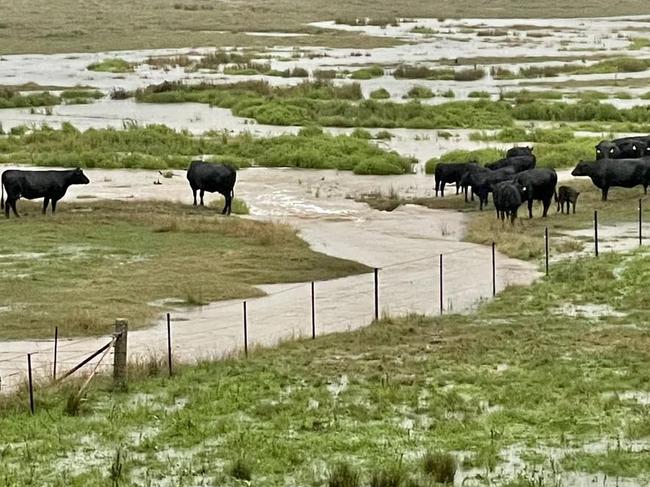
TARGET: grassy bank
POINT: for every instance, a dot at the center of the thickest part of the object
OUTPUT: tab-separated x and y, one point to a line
325	104
521	379
169	23
159	147
11	97
126	255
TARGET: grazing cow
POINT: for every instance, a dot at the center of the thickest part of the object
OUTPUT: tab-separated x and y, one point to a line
568	195
449	173
519	151
466	179
507	199
624	148
50	185
212	177
519	163
540	185
482	182
607	173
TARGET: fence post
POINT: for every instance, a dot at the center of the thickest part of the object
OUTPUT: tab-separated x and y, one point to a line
494	270
169	344
376	294
119	355
596	231
640	222
441	288
56	346
31	383
546	247
313	312
245	330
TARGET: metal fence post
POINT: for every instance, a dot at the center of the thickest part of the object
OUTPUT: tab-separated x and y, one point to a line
596	231
441	288
56	347
313	312
494	270
245	330
546	247
119	355
640	222
376	294
169	344
31	383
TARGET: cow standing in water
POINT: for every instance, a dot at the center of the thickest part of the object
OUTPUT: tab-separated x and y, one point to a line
212	177
49	185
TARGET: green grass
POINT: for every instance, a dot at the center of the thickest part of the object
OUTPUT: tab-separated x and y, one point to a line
125	255
10	98
368	73
638	43
159	147
516	373
113	65
380	94
424	72
420	92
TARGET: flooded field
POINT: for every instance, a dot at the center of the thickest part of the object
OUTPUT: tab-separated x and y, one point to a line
510	442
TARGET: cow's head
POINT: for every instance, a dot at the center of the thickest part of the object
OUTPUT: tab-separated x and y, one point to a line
607	150
78	177
584	168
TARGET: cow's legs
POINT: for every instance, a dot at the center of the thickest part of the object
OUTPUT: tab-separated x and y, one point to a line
194	195
13	207
437	186
605	190
574	209
227	207
530	208
54	205
547	204
442	189
202	193
45	203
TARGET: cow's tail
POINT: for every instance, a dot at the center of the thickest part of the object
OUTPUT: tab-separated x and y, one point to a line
2	198
555	193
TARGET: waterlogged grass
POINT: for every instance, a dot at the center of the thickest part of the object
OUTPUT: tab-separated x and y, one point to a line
420	92
125	255
113	65
13	99
324	104
380	94
424	72
368	73
159	147
607	66
515	375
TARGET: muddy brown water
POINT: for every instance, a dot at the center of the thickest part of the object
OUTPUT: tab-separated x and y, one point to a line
405	244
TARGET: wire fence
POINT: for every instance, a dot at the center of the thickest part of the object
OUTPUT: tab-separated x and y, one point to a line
434	284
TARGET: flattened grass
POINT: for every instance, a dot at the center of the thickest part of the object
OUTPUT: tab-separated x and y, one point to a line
122	256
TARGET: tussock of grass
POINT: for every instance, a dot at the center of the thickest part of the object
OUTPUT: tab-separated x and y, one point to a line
10	98
420	92
380	94
113	65
441	466
368	73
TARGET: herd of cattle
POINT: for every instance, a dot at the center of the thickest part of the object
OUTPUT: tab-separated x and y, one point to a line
514	179
53	185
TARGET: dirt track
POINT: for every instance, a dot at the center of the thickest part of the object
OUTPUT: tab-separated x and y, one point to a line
315	203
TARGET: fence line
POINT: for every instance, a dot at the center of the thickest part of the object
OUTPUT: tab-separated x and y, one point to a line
371	295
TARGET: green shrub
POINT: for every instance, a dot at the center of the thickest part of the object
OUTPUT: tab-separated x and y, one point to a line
420	92
448	94
310	131
240	469
368	73
441	466
383	135
113	65
479	94
344	475
469	74
380	94
325	74
360	133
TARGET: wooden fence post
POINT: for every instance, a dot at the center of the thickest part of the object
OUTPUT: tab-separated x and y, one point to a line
120	356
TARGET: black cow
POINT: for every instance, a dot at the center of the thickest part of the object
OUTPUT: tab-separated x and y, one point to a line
624	148
466	179
50	185
212	177
540	185
519	163
507	199
624	173
449	173
519	151
482	182
568	195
